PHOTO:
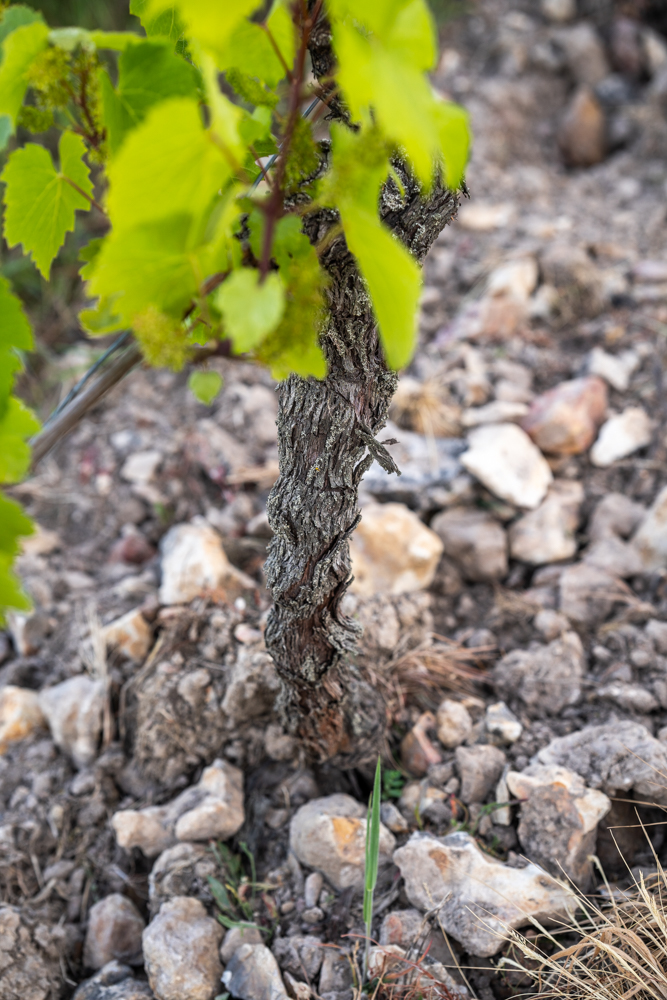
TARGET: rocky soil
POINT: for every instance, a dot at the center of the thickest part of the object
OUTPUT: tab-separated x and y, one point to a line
161	835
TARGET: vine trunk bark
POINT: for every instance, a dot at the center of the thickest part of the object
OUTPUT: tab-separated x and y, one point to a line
327	440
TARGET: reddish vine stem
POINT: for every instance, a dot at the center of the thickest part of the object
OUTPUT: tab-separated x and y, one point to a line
83	194
274	46
274	207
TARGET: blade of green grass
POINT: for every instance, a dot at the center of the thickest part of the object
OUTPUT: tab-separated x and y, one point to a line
372	856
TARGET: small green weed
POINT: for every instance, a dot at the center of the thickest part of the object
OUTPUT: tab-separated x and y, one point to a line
392	785
236	895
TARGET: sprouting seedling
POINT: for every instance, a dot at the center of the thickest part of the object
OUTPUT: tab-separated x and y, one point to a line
372	857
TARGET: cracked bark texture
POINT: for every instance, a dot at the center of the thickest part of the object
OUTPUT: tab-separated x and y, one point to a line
327	438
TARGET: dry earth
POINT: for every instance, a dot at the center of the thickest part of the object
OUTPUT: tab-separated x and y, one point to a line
512	584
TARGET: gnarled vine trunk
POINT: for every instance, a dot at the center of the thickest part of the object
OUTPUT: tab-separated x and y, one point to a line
327	435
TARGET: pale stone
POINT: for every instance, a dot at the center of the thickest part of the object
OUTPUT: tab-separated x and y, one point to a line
630	697
588	594
401	927
73	710
614	556
498	412
181	951
482	217
20	715
417	751
616	369
300	955
482	899
505	460
210	810
559	11
253	974
650	271
584	53
143	828
181	870
42	543
252	686
479	769
114	981
392	818
501	723
454	723
545	678
194	563
329	835
565	419
650	539
131	634
220	815
476	542
141	467
28	631
547	534
582	135
622	435
235	937
618	757
615	514
559	819
114	931
517	278
392	551
550	624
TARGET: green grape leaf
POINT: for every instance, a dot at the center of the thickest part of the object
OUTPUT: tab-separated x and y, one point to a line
17	16
249	50
250	310
19	49
12	594
148	72
10	363
103	318
164	23
16	424
412	34
225	116
40	202
69	38
88	254
372	76
281	26
454	132
294	345
205	386
13	524
118	41
208	22
168	164
155	264
14	327
393	279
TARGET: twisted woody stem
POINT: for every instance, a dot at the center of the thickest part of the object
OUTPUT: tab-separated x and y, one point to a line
327	435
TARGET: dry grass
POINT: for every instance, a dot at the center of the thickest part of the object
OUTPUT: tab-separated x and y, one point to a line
620	952
426	407
423	674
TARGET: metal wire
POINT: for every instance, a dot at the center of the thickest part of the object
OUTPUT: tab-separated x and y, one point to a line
76	389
